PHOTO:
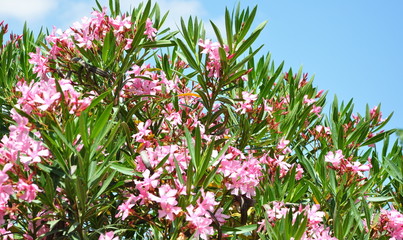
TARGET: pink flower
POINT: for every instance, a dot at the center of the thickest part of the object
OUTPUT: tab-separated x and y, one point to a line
150	31
108	236
30	190
200	224
168	211
308	101
358	167
282	145
334	158
208	202
39	61
34	153
299	172
125	207
317	110
120	24
213	63
148	182
3	174
167	195
247	104
167	202
5	234
143	131
320	129
314	216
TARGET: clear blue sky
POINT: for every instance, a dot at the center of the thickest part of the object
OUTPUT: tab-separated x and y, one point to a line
354	48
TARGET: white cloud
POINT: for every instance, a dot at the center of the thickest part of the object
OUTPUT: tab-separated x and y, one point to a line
26	10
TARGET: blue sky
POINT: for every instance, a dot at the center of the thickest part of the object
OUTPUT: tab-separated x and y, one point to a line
354	48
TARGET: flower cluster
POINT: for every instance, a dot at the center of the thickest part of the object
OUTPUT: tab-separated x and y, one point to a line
314	230
343	165
103	139
214	61
389	223
202	216
41	97
242	173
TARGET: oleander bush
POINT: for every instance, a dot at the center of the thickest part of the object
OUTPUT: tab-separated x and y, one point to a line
119	128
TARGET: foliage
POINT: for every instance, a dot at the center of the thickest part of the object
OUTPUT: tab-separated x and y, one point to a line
118	128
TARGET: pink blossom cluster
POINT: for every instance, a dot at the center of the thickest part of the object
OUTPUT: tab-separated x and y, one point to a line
322	130
43	96
141	80
279	163
310	102
19	145
151	191
376	114
211	49
93	30
389	223
283	146
315	228
37	227
247	104
108	236
242	173
15	149
202	216
344	165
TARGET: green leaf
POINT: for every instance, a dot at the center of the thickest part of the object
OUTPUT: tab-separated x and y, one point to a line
239	230
378	137
379	199
101	121
217	33
228	29
125	170
249	41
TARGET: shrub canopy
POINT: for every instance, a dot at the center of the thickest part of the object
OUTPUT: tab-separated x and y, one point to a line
119	128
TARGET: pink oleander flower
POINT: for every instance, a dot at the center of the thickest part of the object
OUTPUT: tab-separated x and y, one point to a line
212	50
108	236
299	172
6	235
247	104
120	24
39	63
208	203
150	31
308	100
200	224
316	110
315	228
358	167
279	163
321	129
242	173
282	145
167	200
126	207
143	130
389	223
149	181
30	190
34	153
334	158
